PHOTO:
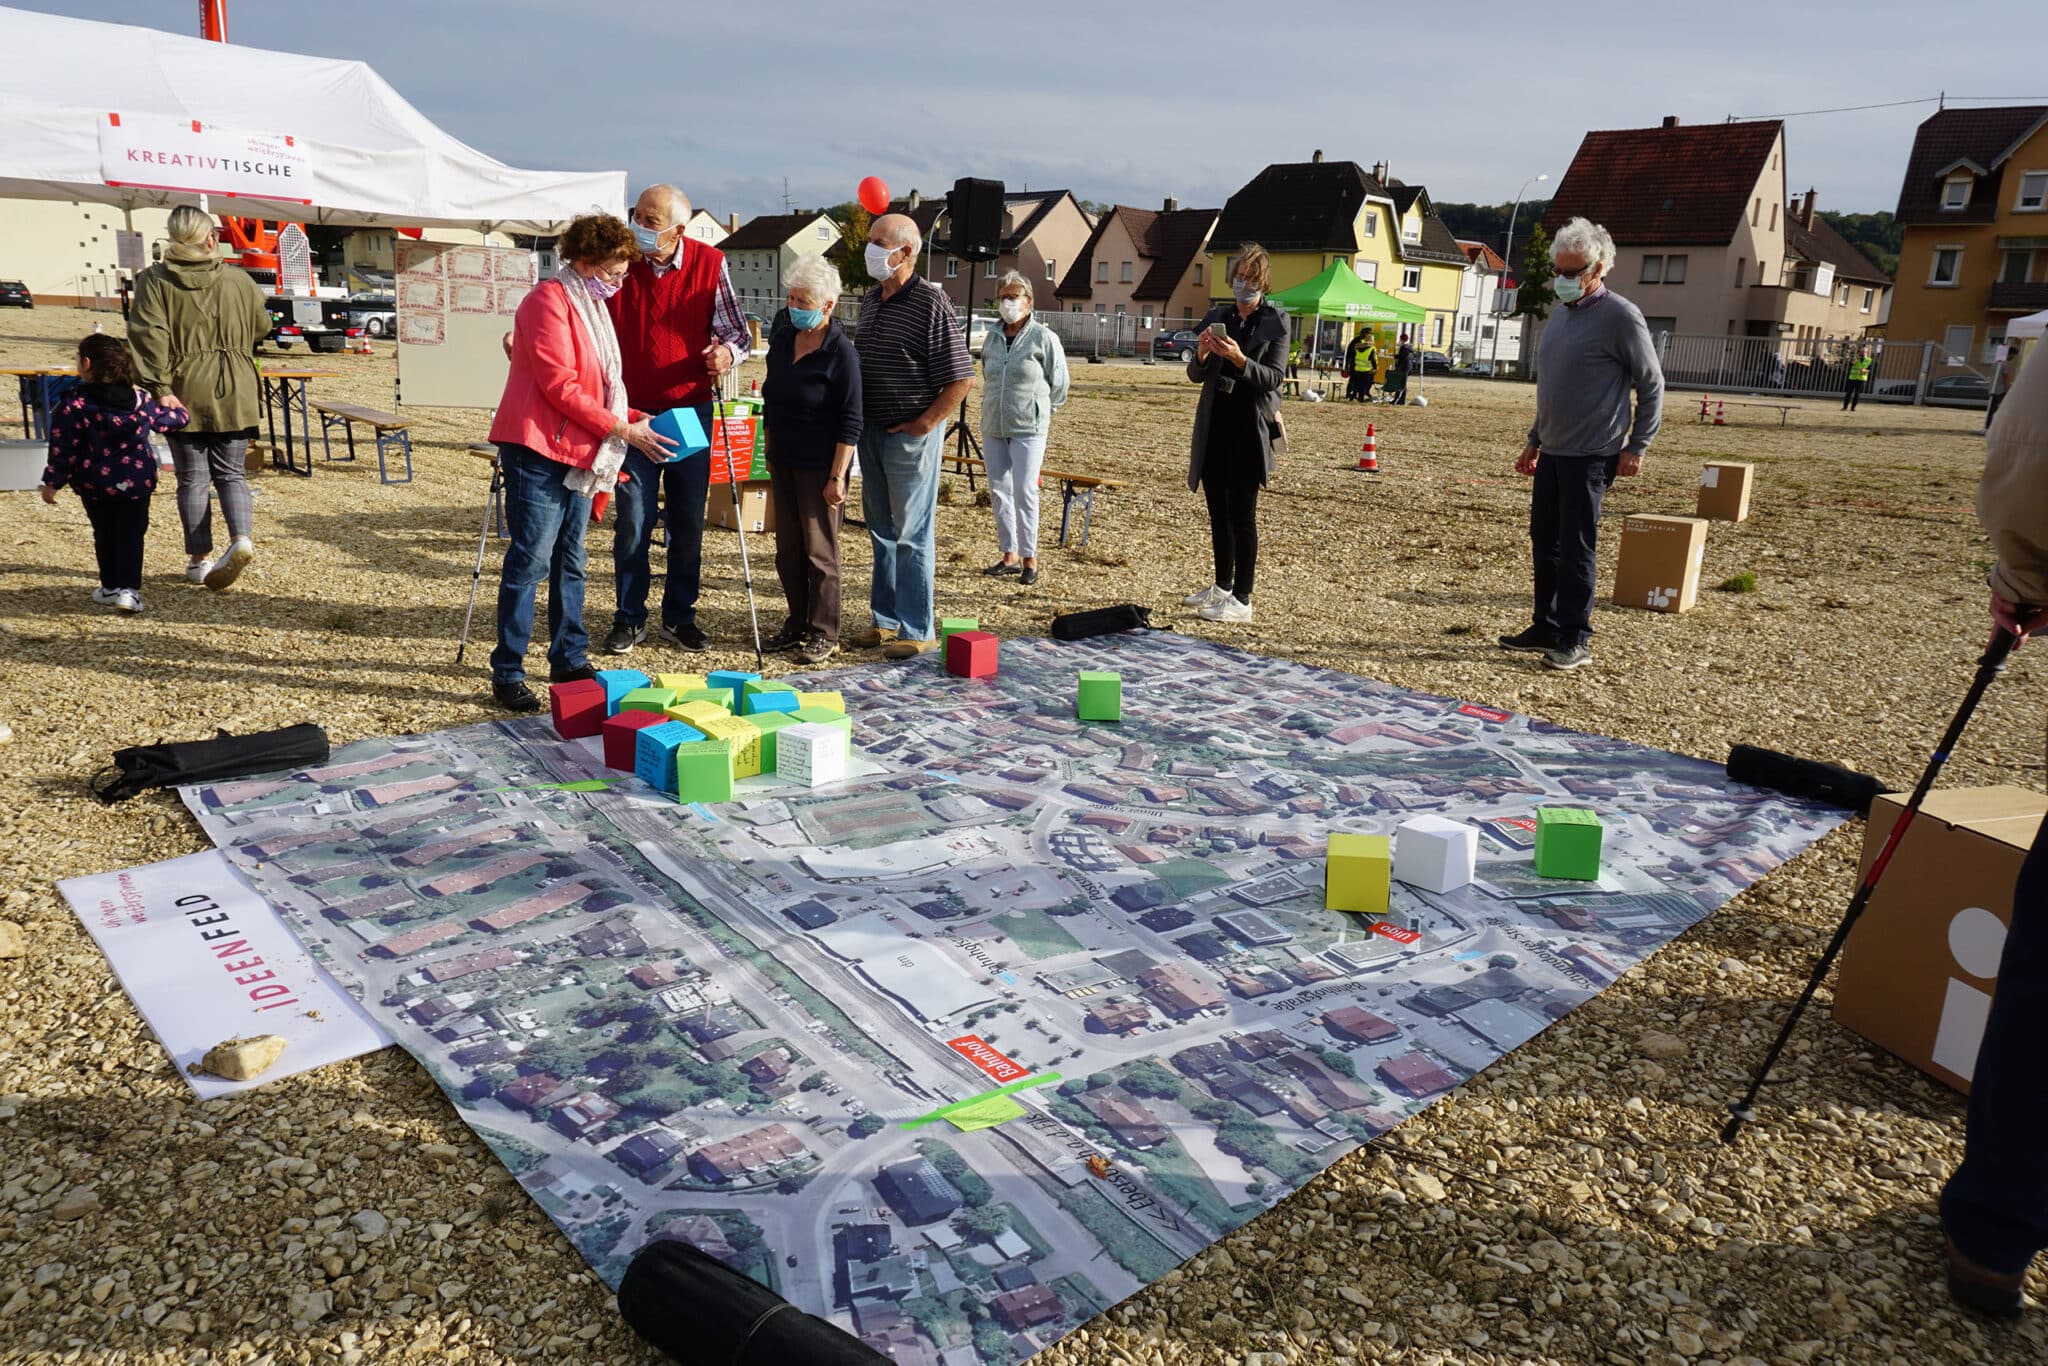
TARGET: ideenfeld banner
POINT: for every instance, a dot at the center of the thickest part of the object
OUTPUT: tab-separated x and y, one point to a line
205	960
158	152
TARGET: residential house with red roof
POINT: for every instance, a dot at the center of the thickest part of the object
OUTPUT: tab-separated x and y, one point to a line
1148	262
1043	231
1974	206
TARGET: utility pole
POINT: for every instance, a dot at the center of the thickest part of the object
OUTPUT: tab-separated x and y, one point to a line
1507	264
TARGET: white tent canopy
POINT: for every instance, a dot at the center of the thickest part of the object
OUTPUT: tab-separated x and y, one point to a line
2032	325
116	114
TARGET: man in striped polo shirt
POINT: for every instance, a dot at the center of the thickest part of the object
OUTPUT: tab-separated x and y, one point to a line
914	371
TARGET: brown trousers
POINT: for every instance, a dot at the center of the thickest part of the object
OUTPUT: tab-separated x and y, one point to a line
807	548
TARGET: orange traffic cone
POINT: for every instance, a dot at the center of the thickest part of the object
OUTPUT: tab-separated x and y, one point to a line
1721	414
363	344
1703	408
1369	453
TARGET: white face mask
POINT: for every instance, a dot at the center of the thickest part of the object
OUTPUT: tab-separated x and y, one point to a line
878	260
1013	310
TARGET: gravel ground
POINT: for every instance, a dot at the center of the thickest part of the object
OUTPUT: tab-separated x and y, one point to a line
1570	1204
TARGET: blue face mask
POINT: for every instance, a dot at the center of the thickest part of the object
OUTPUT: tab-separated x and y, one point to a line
805	319
1567	288
648	238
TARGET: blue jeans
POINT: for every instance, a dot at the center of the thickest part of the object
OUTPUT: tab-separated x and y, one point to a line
1564	531
683	484
545	522
899	497
1996	1204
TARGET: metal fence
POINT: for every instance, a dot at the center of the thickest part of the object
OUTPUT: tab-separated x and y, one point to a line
1900	372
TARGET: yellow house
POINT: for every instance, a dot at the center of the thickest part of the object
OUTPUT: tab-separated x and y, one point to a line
1309	214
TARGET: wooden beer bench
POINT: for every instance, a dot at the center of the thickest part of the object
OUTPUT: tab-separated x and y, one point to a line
393	433
1074	488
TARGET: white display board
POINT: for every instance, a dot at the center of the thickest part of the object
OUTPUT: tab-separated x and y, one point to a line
455	305
205	959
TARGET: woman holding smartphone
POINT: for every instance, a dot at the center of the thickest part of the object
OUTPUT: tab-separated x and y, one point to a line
1239	363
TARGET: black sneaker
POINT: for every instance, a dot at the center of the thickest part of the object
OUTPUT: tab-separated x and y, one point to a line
1535	639
998	569
1566	658
817	650
515	697
1029	576
686	637
788	638
623	638
575	675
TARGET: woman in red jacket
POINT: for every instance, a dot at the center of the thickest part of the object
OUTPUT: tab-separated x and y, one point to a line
562	430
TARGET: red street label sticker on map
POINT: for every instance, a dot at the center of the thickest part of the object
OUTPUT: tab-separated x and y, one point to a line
1395	932
1517	832
971	1047
1499	718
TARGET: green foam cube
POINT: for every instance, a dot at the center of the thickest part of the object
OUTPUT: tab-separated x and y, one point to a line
704	771
648	699
717	697
1568	843
825	716
1100	697
768	722
948	625
768	695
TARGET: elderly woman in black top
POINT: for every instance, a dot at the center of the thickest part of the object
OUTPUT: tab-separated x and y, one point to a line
811	399
1239	362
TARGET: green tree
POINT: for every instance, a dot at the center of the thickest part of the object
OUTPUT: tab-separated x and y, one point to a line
866	1126
1338	1061
1148	1078
1534	296
849	254
982	1224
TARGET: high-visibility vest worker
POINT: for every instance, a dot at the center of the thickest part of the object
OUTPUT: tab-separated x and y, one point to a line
1859	369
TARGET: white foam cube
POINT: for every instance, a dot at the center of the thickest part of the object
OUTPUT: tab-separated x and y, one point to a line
810	754
1433	854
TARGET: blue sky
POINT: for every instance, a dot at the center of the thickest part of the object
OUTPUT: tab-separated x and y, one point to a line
1132	102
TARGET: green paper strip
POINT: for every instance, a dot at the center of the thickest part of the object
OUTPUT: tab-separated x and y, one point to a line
982	1110
580	785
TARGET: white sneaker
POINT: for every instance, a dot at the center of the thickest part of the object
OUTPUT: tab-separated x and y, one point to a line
229	567
1228	609
197	571
1214	593
128	600
107	597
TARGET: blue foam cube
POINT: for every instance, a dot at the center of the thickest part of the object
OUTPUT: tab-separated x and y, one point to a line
654	753
733	681
619	682
681	426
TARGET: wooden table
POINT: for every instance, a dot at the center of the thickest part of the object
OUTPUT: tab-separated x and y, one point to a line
281	389
35	398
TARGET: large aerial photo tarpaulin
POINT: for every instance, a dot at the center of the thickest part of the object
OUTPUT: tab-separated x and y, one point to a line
715	1022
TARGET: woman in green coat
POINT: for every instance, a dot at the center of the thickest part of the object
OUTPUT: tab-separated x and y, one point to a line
194	328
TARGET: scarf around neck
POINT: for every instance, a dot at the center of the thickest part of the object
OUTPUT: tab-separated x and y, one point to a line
603	473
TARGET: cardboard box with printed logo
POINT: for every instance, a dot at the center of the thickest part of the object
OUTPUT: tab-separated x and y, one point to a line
757	508
1921	966
1724	491
1659	564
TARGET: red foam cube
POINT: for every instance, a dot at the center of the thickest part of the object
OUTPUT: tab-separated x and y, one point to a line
578	708
622	735
971	654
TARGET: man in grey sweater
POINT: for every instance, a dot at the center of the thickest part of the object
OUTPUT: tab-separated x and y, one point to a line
1594	351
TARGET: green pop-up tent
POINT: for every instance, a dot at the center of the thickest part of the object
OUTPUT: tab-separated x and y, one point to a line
1339	293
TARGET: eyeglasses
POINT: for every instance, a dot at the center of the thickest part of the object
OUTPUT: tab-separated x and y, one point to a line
1564	274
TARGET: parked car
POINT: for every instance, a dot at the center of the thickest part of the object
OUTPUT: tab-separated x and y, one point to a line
1174	346
1953	388
1478	369
14	294
1433	363
375	313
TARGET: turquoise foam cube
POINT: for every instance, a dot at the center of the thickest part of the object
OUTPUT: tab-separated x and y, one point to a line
654	753
617	683
734	683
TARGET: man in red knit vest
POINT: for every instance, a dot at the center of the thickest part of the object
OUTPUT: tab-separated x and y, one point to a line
680	327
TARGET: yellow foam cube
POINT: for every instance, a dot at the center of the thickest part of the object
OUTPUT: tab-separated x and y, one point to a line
746	738
831	701
697	713
682	683
1358	873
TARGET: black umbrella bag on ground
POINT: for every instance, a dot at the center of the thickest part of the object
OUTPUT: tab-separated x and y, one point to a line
140	767
700	1312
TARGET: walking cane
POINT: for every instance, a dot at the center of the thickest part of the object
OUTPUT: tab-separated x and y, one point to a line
1988	668
738	518
482	539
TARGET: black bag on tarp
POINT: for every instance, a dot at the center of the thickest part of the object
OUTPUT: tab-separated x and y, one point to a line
701	1312
1100	621
226	756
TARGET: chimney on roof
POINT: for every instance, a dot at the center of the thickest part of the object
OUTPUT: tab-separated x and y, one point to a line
1806	210
1670	121
1318	155
732	222
914	200
1171	205
1379	171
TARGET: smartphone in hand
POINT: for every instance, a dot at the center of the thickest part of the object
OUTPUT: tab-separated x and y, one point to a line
1218	331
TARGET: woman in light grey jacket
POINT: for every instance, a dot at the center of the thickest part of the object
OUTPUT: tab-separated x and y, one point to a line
1023	379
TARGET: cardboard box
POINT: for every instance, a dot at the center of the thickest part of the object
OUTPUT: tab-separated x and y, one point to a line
1921	966
1724	491
1659	565
738	436
757	509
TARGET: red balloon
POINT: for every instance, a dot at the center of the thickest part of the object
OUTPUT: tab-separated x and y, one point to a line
874	194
